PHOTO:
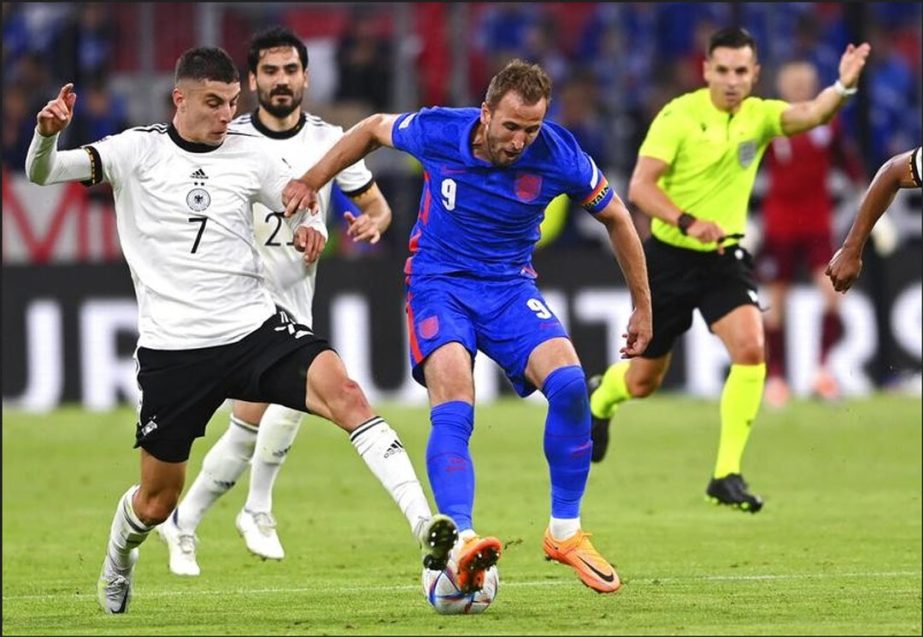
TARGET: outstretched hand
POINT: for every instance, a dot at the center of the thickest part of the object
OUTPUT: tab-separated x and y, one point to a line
852	62
297	196
58	112
362	228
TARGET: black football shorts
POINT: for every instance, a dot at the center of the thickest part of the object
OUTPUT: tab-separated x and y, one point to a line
683	280
182	389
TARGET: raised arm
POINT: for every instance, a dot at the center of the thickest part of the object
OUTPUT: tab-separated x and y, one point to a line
44	164
802	116
371	133
846	265
630	256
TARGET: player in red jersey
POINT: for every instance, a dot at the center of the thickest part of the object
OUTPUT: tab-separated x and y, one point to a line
798	228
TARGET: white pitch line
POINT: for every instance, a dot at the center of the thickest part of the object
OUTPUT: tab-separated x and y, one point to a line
515	584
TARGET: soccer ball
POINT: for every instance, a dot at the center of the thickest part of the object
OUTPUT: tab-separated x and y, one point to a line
441	590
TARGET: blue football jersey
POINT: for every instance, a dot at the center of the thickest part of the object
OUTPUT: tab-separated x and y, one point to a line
480	219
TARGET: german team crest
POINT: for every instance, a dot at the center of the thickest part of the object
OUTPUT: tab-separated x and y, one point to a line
198	199
527	186
746	153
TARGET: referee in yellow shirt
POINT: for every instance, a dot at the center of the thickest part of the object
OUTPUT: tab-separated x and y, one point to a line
694	176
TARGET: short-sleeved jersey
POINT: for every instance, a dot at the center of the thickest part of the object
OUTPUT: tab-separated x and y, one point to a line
480	219
798	202
185	223
915	167
289	280
713	157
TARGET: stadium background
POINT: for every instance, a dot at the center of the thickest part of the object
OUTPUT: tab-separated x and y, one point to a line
68	307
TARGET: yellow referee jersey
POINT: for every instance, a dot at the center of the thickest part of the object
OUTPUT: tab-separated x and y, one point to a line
713	157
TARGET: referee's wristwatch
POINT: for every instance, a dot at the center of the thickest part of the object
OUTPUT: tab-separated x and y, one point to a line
684	221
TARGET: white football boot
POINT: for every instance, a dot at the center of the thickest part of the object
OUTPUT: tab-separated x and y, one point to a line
113	589
437	535
259	532
181	547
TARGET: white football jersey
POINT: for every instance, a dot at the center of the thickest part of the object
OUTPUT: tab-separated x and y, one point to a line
186	228
290	281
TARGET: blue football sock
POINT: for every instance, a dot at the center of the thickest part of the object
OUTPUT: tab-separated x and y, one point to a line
448	462
567	439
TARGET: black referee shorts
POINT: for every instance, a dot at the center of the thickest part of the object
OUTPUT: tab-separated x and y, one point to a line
182	389
682	280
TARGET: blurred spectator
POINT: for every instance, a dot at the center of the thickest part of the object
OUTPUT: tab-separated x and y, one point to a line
687	71
31	72
812	45
83	49
798	230
15	34
502	33
614	45
895	99
31	27
575	105
97	113
676	23
18	124
364	62
541	47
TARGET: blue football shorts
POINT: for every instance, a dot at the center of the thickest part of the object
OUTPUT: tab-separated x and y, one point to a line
505	319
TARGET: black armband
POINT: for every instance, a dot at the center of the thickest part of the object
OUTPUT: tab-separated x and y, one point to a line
685	220
96	167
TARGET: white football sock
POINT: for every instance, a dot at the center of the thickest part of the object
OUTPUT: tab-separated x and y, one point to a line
221	468
384	454
126	532
563	528
278	429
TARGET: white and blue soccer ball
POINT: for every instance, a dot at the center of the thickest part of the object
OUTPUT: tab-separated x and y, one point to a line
442	591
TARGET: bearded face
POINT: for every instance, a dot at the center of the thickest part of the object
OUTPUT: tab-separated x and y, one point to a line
279	101
279	81
511	127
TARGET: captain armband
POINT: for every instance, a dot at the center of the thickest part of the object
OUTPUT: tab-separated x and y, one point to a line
600	195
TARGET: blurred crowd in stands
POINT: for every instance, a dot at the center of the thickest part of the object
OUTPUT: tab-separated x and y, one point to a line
614	64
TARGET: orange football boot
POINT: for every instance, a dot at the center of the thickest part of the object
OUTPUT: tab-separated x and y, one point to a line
578	553
473	558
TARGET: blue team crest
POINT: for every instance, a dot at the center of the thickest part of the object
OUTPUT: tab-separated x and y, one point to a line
429	327
527	186
746	152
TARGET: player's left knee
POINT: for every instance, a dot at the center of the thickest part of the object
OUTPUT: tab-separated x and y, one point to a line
348	400
566	387
157	508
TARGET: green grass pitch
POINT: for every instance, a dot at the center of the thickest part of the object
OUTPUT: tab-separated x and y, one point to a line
836	549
